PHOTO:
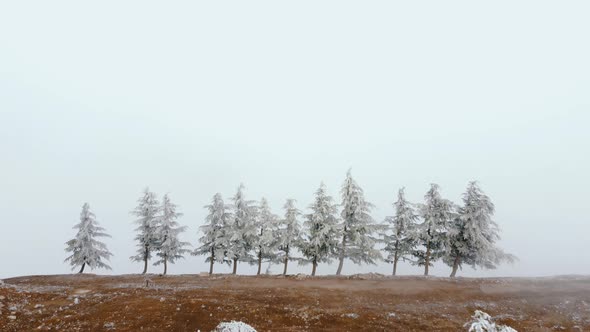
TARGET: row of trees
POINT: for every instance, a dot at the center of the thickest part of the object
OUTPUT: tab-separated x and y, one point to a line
248	231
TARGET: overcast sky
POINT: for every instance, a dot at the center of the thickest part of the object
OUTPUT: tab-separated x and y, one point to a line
98	101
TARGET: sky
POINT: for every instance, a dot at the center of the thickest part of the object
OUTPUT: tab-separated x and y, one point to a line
100	100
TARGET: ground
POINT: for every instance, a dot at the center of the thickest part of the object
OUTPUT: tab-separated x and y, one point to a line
294	303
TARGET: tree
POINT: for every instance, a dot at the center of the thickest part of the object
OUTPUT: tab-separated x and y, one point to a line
400	244
241	235
431	234
85	249
170	248
289	233
473	234
147	238
265	243
213	241
358	227
320	243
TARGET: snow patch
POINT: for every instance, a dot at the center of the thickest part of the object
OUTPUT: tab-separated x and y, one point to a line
234	326
482	322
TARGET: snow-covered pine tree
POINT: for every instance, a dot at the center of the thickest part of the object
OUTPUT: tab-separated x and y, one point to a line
241	234
400	244
358	227
170	247
473	234
289	233
85	249
147	239
266	242
213	239
320	240
431	234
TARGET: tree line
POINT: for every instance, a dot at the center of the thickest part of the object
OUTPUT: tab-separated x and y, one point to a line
248	231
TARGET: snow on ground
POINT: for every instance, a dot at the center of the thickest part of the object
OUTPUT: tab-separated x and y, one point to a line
482	322
234	326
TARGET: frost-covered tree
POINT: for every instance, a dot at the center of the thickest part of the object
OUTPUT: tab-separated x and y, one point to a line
266	242
320	240
85	248
358	227
147	238
473	234
170	248
399	243
241	234
289	233
431	234
213	239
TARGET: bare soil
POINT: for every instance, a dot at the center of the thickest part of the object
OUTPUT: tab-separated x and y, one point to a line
294	303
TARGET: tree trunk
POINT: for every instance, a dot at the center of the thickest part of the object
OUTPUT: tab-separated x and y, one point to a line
82	269
427	259
455	266
341	258
315	265
286	260
145	260
212	260
165	266
395	257
259	262
235	266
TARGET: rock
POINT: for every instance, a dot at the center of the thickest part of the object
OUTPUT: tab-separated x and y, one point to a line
12	308
37	306
12	317
2	297
109	325
301	276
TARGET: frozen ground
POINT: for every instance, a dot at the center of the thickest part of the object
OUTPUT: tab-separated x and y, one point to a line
296	303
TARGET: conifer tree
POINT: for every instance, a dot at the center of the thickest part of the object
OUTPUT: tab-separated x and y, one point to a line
400	244
213	241
431	234
473	234
147	238
289	233
266	241
85	248
320	243
241	233
170	248
358	227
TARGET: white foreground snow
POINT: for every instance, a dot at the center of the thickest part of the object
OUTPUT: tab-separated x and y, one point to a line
482	322
234	326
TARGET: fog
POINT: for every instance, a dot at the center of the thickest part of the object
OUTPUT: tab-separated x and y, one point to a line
98	101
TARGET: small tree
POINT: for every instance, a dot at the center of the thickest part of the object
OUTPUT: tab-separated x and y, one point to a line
266	241
473	234
170	247
241	235
289	233
85	249
400	244
358	227
431	234
147	238
320	243
213	239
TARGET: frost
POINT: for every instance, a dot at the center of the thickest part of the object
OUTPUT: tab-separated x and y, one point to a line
214	240
85	249
147	239
234	326
169	247
400	244
482	322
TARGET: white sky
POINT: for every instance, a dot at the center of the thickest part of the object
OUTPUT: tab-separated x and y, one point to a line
99	100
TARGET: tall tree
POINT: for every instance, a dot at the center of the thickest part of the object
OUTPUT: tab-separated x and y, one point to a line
213	241
266	241
473	234
436	212
399	243
358	227
147	238
289	233
320	242
85	248
170	247
241	235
